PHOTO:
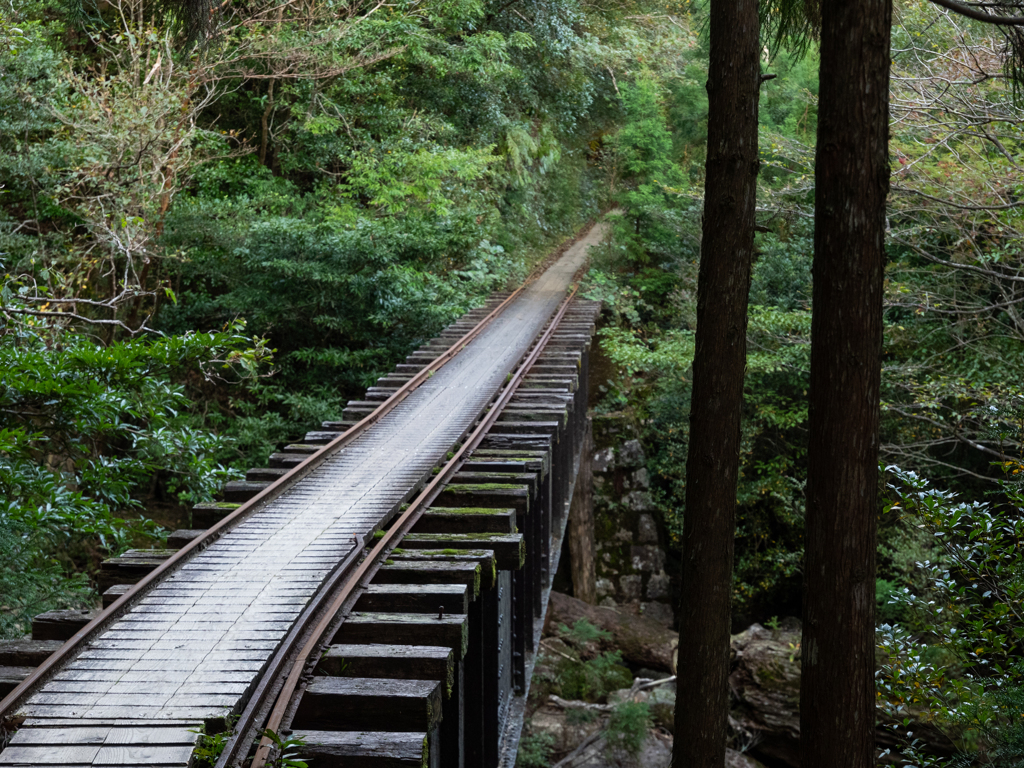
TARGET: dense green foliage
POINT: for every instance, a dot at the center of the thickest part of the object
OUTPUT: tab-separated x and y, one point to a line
627	727
952	393
86	429
341	181
964	680
218	222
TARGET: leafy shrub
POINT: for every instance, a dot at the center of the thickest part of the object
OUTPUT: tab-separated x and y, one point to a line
593	680
31	583
535	750
888	609
628	726
583	631
88	431
960	671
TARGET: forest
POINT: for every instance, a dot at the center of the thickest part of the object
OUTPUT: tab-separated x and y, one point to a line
219	222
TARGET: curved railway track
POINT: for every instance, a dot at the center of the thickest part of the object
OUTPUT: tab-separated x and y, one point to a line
375	595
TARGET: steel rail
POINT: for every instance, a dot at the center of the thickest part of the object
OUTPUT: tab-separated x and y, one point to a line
66	652
372	562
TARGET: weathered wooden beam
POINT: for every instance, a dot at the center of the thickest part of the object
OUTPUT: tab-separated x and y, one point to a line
364	703
528	412
356	412
210	513
414	598
405	571
529	479
265	474
339	426
481	495
60	625
466	520
286	460
365	749
426	559
402	662
11	677
517	442
240	491
321	437
183	536
299	448
509	549
497	465
536	460
450	630
72	742
25	652
509	426
111	594
545	381
131	566
580	528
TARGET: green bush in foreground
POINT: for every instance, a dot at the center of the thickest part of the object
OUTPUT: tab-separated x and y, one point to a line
954	661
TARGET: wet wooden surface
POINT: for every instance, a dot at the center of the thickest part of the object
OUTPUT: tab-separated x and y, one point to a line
188	652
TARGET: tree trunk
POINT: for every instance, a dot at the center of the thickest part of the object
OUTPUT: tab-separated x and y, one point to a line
851	183
712	462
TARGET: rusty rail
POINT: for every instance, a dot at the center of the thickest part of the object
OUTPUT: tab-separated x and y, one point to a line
343	584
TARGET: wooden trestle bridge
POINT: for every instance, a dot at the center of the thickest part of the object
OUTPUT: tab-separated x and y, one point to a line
376	594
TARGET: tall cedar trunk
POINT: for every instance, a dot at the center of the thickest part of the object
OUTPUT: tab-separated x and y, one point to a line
712	463
837	696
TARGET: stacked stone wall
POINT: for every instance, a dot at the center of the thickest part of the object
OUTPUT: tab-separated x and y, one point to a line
630	542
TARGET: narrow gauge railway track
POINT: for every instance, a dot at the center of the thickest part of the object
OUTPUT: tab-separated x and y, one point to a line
414	650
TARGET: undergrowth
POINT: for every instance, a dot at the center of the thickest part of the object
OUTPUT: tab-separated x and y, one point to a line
31	583
535	750
627	727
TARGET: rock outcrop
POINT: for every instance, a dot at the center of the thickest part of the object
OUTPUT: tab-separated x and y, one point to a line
643	642
765	684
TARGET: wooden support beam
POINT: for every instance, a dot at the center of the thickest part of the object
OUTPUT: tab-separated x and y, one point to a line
509	549
481	495
364	703
537	460
209	514
240	491
405	571
508	425
487	477
481	464
414	598
286	460
365	749
265	474
130	567
11	677
580	527
425	559
183	536
466	520
25	652
111	594
60	625
520	412
451	630
402	662
300	448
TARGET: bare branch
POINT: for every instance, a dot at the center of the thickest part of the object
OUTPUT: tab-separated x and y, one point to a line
972	12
